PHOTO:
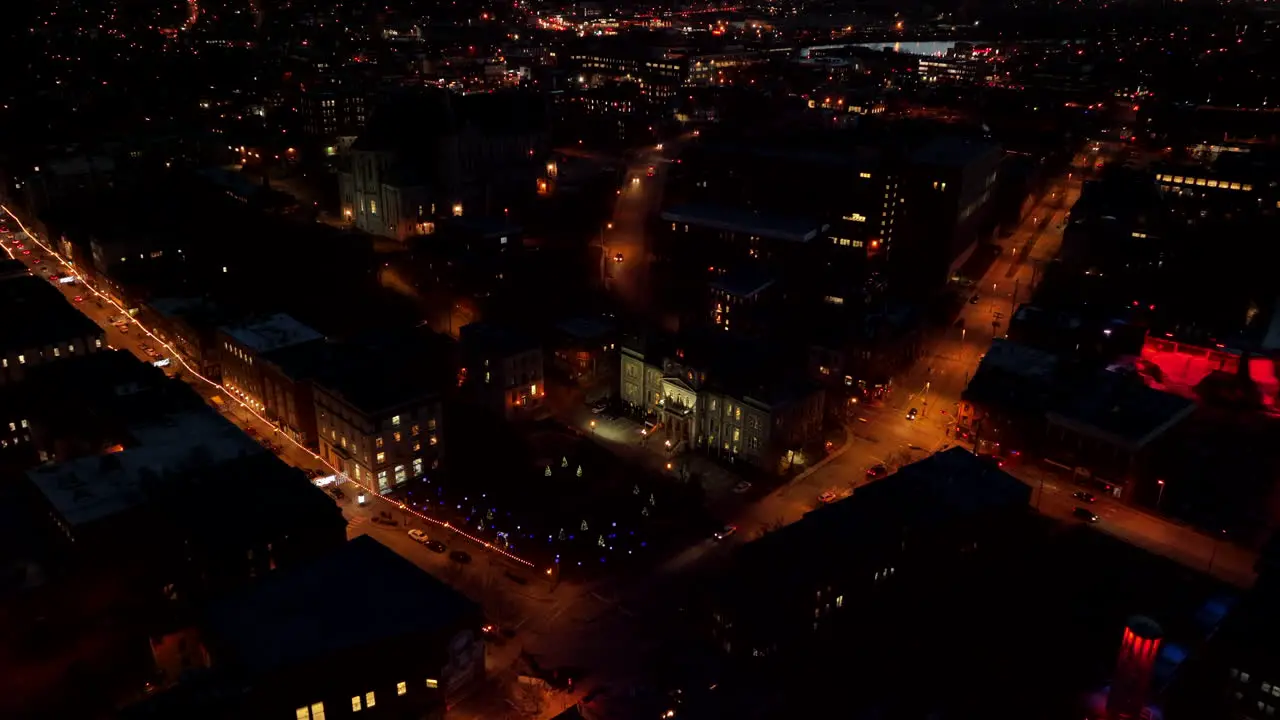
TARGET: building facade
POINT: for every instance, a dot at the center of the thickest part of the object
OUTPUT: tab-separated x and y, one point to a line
696	411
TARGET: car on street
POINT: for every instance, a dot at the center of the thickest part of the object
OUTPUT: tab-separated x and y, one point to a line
742	487
617	258
35	261
45	271
124	329
651	171
726	531
600	406
877	471
973	299
460	556
436	546
419	537
912	413
828	496
26	252
1085	514
1082	495
78	299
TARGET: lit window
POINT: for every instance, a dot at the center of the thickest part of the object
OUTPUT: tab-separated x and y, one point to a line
1246	188
432	439
356	705
395	421
401	688
369	699
432	683
824	370
22	359
417	446
400	476
25	424
377	442
373	207
380	458
417	466
737	413
396	435
486	377
839	601
413	430
97	342
865	175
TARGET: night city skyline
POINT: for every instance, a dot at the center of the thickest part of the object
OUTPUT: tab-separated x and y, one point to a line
526	360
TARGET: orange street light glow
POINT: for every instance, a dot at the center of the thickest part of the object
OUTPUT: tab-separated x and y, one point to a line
193	373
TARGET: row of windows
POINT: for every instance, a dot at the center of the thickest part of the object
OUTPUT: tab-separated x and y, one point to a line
315	711
57	352
1204	182
238	352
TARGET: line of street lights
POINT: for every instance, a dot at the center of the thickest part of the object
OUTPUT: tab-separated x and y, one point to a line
194	373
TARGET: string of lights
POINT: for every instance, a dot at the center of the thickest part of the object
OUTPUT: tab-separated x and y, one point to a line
216	385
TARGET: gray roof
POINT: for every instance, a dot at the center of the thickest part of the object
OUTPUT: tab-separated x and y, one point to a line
272	333
1119	409
950	151
92	488
774	227
359	595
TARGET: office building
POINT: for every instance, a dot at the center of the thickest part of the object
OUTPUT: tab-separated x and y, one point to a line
722	396
379	407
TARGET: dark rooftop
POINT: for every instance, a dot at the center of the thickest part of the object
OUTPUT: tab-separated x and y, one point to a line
951	484
774	227
1120	408
278	623
36	314
488	337
392	369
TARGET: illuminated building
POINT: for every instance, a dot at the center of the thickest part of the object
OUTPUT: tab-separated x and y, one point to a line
720	396
658	76
40	326
835	575
425	154
379	407
1135	664
504	369
241	348
955	70
333	112
917	203
407	645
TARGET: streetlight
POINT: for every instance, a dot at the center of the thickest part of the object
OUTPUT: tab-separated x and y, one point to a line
593	427
1160	496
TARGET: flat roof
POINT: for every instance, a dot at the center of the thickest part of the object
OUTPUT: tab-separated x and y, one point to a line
953	483
743	283
1119	409
92	488
36	314
271	333
774	227
289	618
953	151
393	370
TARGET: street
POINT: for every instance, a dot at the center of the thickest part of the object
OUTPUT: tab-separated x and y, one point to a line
581	624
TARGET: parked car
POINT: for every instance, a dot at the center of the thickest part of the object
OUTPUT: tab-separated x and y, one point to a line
1085	514
1082	495
436	546
419	537
876	472
827	497
912	413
